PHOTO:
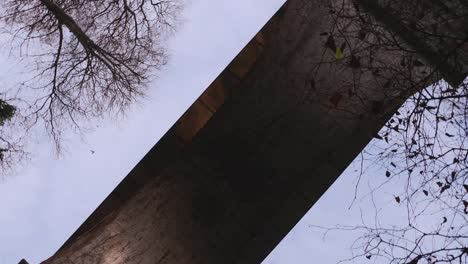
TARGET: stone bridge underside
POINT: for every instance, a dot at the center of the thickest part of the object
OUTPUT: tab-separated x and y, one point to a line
257	149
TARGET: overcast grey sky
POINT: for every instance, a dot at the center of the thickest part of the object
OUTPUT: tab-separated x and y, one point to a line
46	201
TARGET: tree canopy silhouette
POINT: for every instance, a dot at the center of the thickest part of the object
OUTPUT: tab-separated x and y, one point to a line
86	59
423	147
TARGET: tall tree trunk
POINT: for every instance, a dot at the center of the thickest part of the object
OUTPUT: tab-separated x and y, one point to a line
294	122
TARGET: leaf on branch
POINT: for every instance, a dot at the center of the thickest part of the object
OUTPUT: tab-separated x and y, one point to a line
354	62
362	34
444	220
397	199
439	184
449	135
339	53
417	63
335	99
415	260
368	256
453	174
387	84
393	164
403	62
312	84
425	192
388	174
376	72
331	44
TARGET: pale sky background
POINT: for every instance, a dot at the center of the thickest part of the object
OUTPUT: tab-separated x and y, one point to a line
47	200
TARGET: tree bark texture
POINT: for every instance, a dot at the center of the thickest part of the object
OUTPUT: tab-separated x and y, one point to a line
290	122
